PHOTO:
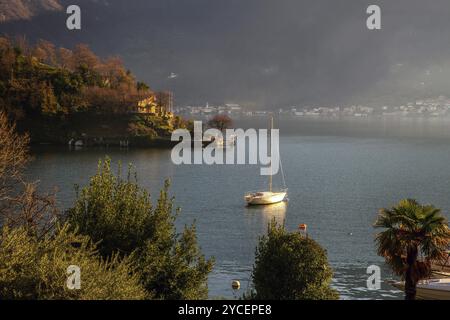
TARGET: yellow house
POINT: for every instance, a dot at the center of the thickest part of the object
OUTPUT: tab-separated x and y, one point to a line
147	105
150	106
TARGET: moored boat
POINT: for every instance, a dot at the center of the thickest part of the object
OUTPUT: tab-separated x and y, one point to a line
270	196
265	197
431	289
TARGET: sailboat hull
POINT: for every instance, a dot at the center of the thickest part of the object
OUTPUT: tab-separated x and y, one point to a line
264	198
433	289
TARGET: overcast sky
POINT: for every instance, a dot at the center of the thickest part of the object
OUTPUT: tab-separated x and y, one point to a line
267	53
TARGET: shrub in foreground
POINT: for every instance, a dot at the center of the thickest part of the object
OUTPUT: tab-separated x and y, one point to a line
118	213
35	251
36	268
291	266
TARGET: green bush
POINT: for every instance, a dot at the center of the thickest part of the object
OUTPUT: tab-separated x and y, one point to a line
36	251
36	268
290	266
115	212
118	213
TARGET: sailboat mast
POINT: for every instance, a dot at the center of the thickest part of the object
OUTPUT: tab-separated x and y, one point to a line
270	177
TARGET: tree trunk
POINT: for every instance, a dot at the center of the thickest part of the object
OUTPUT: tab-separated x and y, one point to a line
410	280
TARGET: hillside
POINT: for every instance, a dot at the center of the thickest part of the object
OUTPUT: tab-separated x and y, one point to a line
58	94
25	9
264	54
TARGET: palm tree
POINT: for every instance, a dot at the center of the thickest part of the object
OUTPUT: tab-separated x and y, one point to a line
414	236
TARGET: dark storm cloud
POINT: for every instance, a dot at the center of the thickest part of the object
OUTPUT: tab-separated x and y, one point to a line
268	52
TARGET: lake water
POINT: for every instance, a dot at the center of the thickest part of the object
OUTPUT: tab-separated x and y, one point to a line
339	174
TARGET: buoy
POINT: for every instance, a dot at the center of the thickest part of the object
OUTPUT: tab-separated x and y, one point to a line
236	285
302	228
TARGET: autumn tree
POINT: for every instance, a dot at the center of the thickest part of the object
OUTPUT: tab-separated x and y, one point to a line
46	51
13	158
221	122
65	58
142	86
83	56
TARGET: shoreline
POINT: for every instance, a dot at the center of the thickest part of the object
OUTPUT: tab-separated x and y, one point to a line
123	143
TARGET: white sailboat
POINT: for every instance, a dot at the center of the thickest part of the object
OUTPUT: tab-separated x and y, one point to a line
270	196
222	142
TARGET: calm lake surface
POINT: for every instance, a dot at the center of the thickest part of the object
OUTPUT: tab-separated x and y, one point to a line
339	173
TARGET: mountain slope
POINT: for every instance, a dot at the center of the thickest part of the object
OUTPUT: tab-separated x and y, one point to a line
265	52
25	9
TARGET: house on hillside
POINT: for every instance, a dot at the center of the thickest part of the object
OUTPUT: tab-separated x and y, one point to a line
153	105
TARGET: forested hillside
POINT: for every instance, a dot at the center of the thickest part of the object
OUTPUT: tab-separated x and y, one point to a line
57	94
25	9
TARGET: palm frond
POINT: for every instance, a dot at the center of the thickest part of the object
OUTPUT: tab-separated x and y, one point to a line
412	225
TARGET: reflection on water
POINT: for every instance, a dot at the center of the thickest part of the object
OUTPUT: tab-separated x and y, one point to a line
266	213
257	219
